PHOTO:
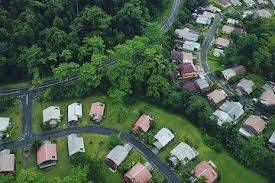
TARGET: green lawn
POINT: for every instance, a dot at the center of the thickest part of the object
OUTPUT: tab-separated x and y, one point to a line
214	62
257	80
14	113
96	145
230	170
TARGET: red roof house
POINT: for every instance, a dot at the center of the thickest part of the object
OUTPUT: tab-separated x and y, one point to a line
206	170
137	174
46	155
143	123
188	70
97	111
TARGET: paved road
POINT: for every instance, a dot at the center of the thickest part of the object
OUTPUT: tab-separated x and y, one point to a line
27	138
162	167
172	14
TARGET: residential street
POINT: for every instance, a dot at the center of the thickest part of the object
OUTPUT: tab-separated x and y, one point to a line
172	14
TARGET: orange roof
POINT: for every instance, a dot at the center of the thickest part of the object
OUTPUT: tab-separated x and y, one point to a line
46	152
143	123
138	174
97	108
204	169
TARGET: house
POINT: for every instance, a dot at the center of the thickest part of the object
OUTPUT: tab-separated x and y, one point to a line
212	8
228	73
74	112
232	21
190	46
249	3
253	126
143	123
263	13
7	162
181	56
208	14
262	2
247	13
52	116
189	85
206	170
230	29
182	153
137	174
217	96
227	29
222	42
163	137
97	111
4	125
202	84
117	155
271	141
246	86
222	117
236	2
225	3
233	109
187	34
188	70
268	98
203	20
218	52
46	155
75	144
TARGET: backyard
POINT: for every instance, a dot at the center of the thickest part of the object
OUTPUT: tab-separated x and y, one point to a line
123	117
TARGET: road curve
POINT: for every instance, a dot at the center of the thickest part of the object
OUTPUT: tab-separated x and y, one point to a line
172	15
162	167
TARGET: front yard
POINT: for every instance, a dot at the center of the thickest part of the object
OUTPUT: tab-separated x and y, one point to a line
14	113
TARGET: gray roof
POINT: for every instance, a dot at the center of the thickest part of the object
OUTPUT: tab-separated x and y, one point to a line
228	73
246	85
272	138
184	153
75	144
234	109
236	2
222	117
119	153
4	124
202	83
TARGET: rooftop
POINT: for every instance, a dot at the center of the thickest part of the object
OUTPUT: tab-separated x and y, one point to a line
138	174
217	96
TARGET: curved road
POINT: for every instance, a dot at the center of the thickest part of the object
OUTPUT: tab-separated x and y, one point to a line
27	138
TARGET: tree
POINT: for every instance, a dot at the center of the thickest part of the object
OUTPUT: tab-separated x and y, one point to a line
32	57
65	70
30	176
66	55
6	102
114	140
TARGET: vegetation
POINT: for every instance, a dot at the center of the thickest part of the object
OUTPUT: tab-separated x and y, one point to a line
37	36
255	49
6	102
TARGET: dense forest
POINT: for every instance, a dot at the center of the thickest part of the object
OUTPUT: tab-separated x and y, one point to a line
256	49
36	36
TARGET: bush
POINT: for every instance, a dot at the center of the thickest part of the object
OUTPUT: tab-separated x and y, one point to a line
114	140
213	143
6	102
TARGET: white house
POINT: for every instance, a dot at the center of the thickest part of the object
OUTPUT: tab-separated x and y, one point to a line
117	155
75	144
182	153
190	46
222	117
228	73
4	124
52	115
163	137
74	112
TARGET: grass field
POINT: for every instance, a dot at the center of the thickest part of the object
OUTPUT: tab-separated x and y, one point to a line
95	145
230	170
14	114
214	62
